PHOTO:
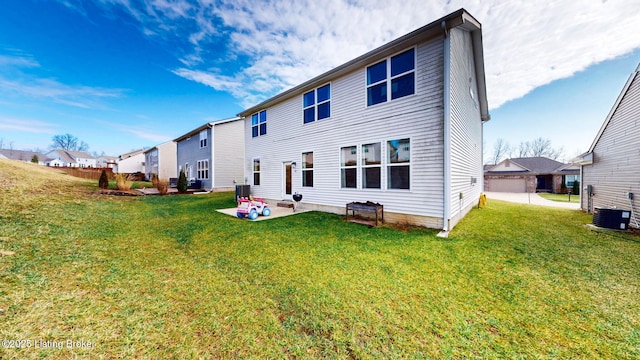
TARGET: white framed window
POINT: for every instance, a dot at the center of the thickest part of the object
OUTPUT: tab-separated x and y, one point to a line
348	167
307	169
202	167
391	78
203	138
317	104
371	165
399	164
256	172
259	124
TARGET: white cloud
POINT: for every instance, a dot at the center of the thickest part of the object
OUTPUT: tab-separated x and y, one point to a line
77	96
26	125
527	43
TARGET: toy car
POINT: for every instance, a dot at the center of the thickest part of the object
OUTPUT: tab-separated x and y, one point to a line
251	208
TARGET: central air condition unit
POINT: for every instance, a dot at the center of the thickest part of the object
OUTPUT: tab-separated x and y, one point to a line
611	218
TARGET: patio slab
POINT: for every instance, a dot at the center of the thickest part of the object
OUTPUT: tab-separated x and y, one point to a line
276	212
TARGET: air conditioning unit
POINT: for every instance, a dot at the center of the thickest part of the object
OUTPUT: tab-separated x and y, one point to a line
611	218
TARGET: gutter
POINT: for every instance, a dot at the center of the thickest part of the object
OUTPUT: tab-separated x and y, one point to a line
446	211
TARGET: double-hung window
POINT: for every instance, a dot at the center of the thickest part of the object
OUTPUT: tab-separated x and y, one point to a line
203	169
307	169
259	124
371	162
398	164
317	104
256	171
203	138
348	167
391	78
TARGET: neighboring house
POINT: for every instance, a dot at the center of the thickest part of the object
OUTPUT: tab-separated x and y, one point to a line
400	125
130	163
533	174
105	161
162	161
69	158
213	154
21	155
610	169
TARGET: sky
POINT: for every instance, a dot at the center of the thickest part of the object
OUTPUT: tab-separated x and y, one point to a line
122	75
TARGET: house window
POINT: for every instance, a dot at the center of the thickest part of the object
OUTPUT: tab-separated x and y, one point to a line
348	167
256	171
570	179
203	169
391	78
398	164
259	124
307	169
371	163
317	104
203	138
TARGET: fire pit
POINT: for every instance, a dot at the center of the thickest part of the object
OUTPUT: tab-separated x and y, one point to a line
296	197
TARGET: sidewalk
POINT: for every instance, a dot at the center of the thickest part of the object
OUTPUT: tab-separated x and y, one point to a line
529	198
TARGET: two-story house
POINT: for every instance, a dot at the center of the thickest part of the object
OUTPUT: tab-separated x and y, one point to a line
400	125
162	161
213	154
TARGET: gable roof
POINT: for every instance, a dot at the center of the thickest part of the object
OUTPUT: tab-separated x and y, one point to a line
633	77
438	28
534	165
79	154
61	155
206	126
21	155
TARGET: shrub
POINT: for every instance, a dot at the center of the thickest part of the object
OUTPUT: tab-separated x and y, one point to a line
162	186
563	188
576	188
123	181
154	180
103	182
182	182
34	159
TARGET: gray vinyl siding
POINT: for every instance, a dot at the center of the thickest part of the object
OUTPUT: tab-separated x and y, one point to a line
466	125
189	151
228	150
418	117
616	156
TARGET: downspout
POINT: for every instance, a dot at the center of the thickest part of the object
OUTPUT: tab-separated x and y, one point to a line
446	212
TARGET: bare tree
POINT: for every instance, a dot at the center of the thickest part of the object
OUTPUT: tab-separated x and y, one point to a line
539	147
68	142
501	149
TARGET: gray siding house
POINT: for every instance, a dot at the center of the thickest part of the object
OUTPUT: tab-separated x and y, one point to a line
400	125
213	154
162	161
610	170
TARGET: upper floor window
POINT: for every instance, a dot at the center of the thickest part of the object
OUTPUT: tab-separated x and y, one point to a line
391	78
259	124
317	104
203	138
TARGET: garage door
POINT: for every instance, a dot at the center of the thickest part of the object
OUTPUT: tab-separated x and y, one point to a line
507	185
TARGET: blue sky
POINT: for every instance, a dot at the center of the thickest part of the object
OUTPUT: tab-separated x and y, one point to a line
126	74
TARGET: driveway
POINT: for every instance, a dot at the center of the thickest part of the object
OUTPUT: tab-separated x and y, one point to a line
533	199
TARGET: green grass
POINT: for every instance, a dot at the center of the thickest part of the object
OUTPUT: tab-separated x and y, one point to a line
561	197
169	277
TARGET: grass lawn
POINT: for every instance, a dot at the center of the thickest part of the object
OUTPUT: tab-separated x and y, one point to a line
561	197
169	277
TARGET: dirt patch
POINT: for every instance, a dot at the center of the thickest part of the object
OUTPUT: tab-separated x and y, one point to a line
120	192
6	252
